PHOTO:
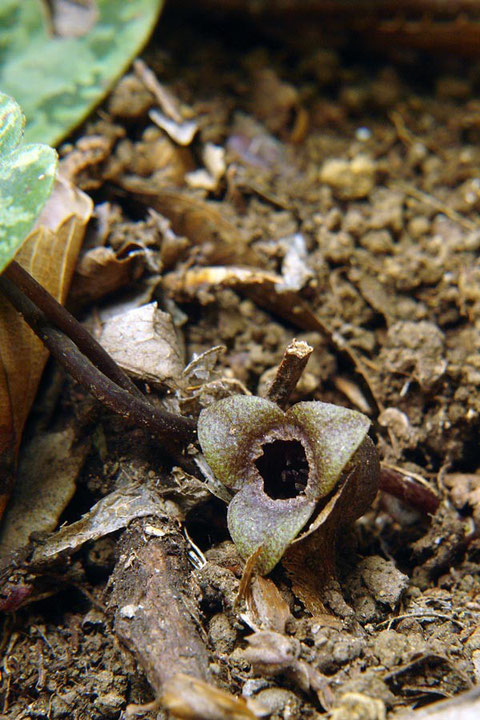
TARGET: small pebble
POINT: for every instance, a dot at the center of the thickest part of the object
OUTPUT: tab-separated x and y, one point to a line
349	179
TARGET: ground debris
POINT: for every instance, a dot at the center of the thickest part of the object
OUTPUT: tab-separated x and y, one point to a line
375	579
190	698
340	207
349	180
465	493
361	707
273	654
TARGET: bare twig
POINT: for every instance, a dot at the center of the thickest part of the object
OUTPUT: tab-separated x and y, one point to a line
401	486
426	615
289	371
172	428
64	321
434	202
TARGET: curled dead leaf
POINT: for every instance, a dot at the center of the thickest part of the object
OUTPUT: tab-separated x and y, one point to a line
273	653
264	287
269	291
49	255
200	282
101	271
111	513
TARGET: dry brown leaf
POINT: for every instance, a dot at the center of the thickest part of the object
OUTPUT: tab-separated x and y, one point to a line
189	698
266	606
101	271
200	222
46	481
113	512
49	254
143	342
266	288
191	283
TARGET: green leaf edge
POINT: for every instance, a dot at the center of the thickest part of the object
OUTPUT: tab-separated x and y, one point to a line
40	126
27	174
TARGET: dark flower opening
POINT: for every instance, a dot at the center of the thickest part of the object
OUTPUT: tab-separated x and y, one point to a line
284	469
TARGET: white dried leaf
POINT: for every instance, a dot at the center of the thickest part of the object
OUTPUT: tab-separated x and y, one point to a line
144	343
180	132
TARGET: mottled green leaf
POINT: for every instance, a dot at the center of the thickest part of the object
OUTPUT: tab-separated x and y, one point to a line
58	80
27	173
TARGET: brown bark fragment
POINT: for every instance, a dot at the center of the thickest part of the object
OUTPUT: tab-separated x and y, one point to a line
155	597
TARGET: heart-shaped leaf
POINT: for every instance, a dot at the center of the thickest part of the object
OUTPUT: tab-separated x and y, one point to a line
59	74
27	173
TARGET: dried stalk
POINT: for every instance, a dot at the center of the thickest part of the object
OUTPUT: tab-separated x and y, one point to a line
289	372
64	321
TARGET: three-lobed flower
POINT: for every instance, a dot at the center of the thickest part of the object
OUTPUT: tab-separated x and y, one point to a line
287	468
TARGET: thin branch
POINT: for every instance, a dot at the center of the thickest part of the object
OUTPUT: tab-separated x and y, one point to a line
172	428
401	486
289	371
64	321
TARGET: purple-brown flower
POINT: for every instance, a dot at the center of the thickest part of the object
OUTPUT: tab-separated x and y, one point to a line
286	467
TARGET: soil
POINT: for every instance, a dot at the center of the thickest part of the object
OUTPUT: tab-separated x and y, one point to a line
352	177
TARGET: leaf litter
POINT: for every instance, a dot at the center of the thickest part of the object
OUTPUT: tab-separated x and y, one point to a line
381	286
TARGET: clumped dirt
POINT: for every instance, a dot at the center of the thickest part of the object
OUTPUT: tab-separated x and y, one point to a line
352	179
